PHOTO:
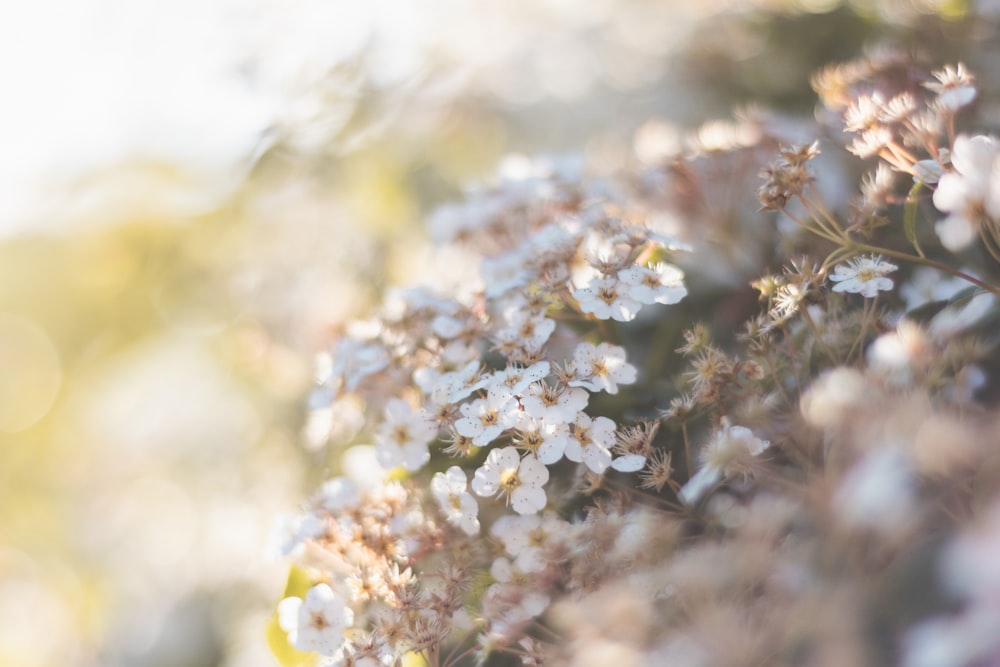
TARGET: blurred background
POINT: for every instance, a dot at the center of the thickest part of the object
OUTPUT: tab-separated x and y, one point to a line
195	196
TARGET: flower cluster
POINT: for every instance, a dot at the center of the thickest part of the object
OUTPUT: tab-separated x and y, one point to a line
597	447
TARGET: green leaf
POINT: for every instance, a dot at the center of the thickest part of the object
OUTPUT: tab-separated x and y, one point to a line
910	217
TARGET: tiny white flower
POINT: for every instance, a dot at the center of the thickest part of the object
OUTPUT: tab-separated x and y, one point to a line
484	419
453	386
515	379
970	193
590	442
529	328
554	404
316	623
525	538
338	494
547	441
458	506
727	453
607	298
520	480
601	368
661	283
863	275
402	439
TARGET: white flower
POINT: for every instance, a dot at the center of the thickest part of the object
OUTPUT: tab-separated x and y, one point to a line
553	404
969	193
316	623
521	480
515	379
879	492
403	437
590	441
863	275
526	537
726	454
458	506
484	419
547	441
661	283
601	368
339	494
607	298
954	86
531	329
456	385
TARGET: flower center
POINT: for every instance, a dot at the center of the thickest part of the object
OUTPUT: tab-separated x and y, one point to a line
608	295
318	621
509	480
401	435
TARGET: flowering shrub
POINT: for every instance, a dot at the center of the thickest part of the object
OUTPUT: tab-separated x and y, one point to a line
572	465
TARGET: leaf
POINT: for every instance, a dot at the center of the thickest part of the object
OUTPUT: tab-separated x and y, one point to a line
910	217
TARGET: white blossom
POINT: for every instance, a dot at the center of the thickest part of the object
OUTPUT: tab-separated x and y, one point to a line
601	367
590	442
484	419
661	283
863	275
403	437
970	193
521	480
458	506
554	404
607	298
316	623
726	454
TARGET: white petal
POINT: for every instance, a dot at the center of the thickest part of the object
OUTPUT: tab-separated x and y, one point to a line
629	463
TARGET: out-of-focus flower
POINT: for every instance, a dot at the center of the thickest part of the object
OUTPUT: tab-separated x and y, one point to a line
403	437
459	507
608	298
969	194
661	283
317	622
954	86
729	452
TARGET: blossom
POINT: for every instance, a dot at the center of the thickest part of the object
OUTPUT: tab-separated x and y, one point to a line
968	194
661	283
547	441
316	623
403	437
554	404
458	506
607	298
601	367
521	480
515	379
727	453
484	419
954	86
590	442
863	275
525	538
